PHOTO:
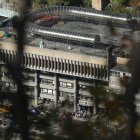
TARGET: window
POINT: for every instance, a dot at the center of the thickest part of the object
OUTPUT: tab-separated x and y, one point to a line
50	91
28	78
62	84
69	85
47	81
66	84
12	85
47	91
28	89
66	94
83	87
7	84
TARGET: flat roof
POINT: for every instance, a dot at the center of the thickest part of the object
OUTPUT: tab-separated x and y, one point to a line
121	68
104	31
95	50
55	54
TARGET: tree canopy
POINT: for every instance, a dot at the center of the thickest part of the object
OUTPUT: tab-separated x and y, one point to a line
78	3
118	2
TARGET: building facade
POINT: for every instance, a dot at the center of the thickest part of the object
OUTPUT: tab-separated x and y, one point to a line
55	75
122	72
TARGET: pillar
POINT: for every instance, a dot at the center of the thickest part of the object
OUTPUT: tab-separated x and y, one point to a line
56	90
36	88
65	65
74	67
75	94
94	109
38	57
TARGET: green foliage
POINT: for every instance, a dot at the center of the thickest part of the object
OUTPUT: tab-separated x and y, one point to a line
57	2
118	2
42	3
87	3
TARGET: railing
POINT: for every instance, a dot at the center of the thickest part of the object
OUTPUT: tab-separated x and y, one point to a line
7	13
70	11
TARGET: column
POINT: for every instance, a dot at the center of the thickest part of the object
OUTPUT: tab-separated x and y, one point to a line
35	62
104	72
55	68
38	59
61	66
75	94
81	68
68	67
58	67
25	59
51	59
32	63
8	56
84	69
41	57
45	64
94	109
64	65
56	90
36	89
48	63
99	72
74	67
28	59
95	70
91	70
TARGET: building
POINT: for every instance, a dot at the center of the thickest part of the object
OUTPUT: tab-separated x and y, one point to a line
120	75
56	75
63	56
99	4
8	9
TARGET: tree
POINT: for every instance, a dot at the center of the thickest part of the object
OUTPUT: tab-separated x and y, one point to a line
87	3
118	2
100	96
57	2
77	3
40	3
43	3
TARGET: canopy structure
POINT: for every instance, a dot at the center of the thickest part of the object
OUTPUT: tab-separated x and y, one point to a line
77	13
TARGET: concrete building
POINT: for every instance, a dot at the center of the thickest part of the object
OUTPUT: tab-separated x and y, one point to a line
60	61
57	75
122	72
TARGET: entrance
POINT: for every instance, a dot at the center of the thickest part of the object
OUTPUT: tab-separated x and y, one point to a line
86	111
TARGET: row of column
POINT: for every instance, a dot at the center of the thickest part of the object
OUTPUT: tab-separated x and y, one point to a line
58	65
